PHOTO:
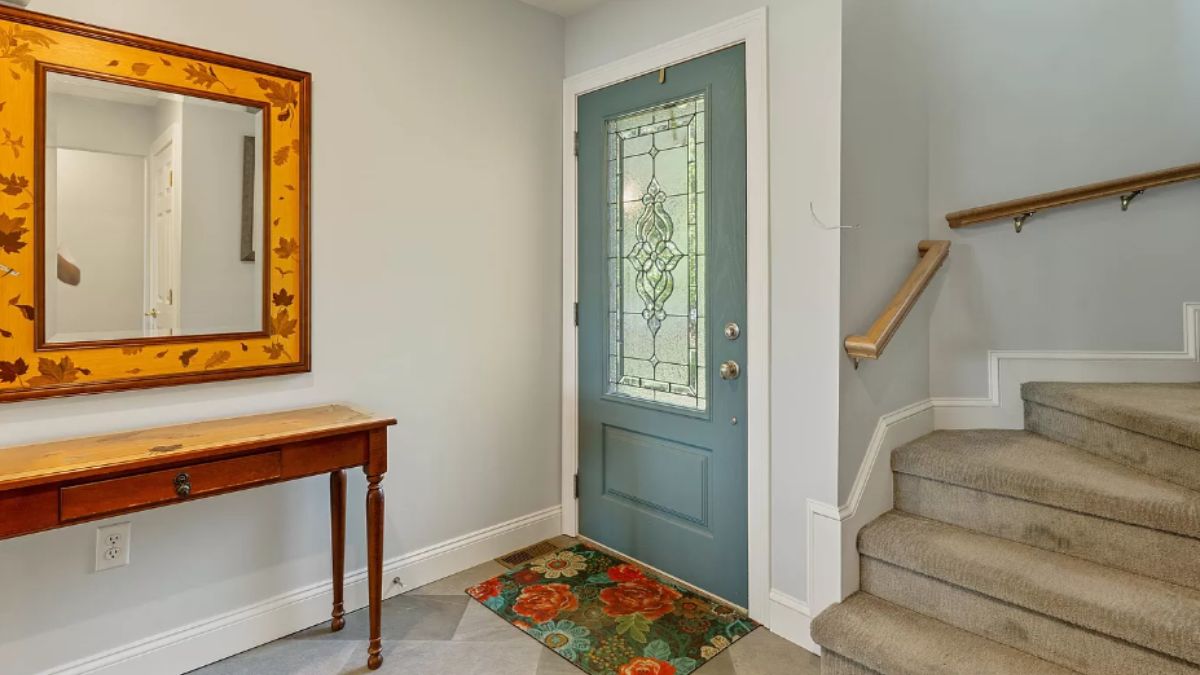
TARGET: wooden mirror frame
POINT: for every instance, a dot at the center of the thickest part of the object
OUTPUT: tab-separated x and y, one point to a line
33	45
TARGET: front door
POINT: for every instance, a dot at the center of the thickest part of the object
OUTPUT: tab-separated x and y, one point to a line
662	312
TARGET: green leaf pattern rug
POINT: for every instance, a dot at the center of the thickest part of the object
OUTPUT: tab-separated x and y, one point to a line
609	617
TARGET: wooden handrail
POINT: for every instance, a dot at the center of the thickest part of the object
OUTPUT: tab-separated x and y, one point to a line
1020	209
871	345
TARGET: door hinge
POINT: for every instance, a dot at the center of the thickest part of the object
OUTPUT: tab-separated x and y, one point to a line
577	315
576	143
576	486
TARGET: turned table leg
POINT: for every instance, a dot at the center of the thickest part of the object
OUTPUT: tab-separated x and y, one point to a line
337	516
375	567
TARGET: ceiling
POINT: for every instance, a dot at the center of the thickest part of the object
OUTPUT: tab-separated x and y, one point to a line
564	7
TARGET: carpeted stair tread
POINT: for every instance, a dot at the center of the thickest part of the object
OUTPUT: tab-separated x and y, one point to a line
1143	611
1059	642
1027	466
889	639
1166	411
1133	548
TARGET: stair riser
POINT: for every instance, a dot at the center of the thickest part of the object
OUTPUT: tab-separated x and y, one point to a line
1156	457
833	663
1135	549
1067	645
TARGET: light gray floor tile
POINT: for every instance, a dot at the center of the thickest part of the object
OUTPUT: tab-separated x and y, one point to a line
721	664
286	657
480	624
405	617
764	653
463	658
457	583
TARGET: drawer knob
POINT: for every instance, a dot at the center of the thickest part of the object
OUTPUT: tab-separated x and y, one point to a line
183	485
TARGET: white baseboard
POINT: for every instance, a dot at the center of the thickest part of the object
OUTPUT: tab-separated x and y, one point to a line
791	620
186	648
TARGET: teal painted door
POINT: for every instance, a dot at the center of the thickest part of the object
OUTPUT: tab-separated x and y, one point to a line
662	272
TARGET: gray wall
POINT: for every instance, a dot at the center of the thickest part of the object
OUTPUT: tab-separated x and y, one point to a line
1030	96
436	234
885	169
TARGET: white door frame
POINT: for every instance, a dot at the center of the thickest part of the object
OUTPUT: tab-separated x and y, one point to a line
751	30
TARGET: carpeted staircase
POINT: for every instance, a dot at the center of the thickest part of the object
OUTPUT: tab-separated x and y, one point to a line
1070	547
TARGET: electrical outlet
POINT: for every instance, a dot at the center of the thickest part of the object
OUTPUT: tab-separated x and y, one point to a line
112	546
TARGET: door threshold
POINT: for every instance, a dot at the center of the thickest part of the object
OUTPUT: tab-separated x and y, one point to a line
674	579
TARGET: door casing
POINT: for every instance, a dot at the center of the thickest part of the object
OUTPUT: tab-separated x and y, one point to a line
751	30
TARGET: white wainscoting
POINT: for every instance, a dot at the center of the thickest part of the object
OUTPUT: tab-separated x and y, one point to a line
833	531
185	648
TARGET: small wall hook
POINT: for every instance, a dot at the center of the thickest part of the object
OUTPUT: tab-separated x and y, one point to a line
821	224
1126	200
1019	221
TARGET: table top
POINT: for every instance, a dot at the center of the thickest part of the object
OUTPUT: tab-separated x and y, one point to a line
56	461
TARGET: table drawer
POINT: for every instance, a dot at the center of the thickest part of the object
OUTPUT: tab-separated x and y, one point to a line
90	500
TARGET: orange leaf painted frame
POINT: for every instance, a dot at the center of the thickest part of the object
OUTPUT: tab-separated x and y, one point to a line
33	44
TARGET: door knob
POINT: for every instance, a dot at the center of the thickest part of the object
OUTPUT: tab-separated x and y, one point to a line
152	313
730	370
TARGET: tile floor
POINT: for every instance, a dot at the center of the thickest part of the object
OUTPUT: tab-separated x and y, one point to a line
437	629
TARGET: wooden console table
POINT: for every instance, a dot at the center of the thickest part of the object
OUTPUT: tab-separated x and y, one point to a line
52	485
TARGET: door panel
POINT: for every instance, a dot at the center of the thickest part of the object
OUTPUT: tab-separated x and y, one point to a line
662	227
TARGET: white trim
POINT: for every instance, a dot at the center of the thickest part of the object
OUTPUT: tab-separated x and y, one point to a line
792	620
833	558
1002	407
188	647
751	30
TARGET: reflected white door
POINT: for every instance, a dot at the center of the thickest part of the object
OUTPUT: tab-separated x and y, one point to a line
163	250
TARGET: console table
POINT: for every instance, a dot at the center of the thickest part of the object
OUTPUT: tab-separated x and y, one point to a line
52	485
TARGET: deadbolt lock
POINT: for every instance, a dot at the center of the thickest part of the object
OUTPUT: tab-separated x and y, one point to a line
733	331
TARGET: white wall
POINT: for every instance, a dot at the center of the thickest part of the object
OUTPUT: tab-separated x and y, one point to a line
101	217
885	196
436	270
805	83
219	292
101	222
1028	97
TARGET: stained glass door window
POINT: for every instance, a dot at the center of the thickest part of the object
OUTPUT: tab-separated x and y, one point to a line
656	256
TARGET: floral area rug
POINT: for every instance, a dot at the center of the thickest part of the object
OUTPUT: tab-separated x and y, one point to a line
609	617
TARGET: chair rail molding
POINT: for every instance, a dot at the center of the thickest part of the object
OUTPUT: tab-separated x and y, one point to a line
1002	407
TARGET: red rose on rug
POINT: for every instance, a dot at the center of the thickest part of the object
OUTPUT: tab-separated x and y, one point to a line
526	577
487	590
543	603
644	665
642	596
625	573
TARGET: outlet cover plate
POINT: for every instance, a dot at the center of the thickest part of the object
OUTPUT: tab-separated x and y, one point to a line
112	546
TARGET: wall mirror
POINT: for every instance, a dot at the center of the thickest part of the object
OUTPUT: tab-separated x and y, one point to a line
153	215
153	212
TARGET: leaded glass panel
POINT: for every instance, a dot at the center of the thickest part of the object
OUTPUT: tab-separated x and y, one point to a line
656	254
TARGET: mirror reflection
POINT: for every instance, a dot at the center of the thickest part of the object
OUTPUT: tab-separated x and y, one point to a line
153	213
